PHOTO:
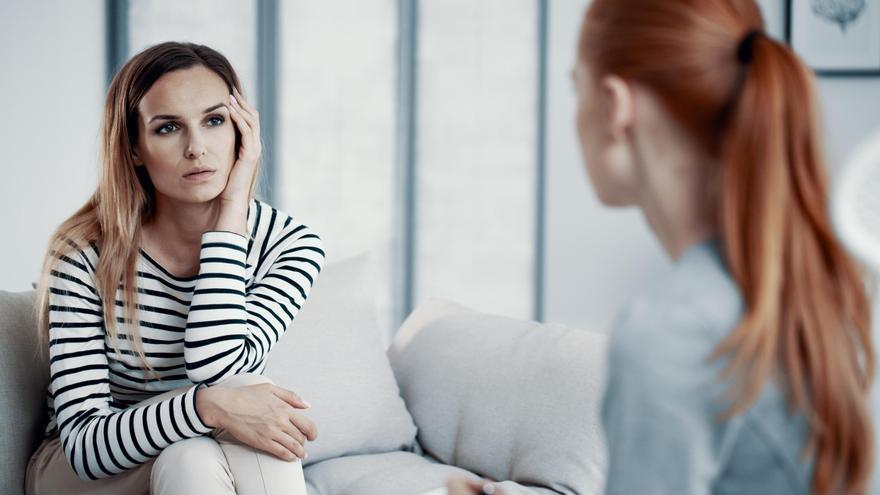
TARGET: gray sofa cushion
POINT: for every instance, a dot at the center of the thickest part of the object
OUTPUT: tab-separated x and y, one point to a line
505	398
24	374
333	357
392	473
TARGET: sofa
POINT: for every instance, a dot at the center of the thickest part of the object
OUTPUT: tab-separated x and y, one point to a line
457	392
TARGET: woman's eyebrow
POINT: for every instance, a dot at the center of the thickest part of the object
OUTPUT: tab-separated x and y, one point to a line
172	117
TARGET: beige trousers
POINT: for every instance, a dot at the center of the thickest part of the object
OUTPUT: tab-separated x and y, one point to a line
215	464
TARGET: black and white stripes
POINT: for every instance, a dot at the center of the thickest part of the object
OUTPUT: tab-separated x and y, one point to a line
196	331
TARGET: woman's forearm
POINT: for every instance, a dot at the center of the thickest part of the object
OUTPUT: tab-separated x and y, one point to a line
216	326
232	218
231	326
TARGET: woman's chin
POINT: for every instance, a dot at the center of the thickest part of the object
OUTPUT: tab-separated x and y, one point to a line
200	195
615	201
609	198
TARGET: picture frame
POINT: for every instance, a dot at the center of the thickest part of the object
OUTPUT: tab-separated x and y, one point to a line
836	37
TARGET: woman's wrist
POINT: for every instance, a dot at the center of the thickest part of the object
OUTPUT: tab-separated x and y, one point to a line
207	406
232	217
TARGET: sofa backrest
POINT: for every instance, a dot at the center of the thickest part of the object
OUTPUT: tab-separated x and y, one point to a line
505	398
333	356
24	374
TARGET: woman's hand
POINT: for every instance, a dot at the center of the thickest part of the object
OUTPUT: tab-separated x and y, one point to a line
467	486
235	197
262	416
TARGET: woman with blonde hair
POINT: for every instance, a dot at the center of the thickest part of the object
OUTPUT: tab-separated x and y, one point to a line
747	369
162	297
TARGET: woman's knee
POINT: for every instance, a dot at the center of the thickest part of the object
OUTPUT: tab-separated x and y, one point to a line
192	462
259	472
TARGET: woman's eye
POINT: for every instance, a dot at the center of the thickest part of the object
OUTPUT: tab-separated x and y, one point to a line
170	127
161	130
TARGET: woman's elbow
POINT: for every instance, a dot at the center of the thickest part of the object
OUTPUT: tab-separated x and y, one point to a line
82	471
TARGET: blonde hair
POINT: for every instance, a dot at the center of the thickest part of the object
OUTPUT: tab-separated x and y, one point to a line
112	218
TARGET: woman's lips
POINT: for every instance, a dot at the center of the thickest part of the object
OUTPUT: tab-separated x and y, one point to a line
199	176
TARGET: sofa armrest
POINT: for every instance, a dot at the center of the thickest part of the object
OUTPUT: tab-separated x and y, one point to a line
505	398
23	381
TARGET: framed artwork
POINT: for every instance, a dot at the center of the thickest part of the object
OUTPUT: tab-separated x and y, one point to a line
836	37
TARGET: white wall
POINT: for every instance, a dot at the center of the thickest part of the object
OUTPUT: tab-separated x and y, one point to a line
53	88
475	160
596	258
225	25
336	135
851	111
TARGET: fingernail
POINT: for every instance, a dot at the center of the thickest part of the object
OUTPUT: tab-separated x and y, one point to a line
306	456
307	404
232	98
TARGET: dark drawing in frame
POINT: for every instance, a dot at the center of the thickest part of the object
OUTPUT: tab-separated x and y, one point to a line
836	37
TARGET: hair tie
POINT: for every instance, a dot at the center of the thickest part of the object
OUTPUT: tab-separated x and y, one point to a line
746	49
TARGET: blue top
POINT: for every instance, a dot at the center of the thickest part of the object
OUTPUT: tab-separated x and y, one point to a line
663	399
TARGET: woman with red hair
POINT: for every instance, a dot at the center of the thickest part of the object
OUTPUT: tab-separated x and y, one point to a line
747	369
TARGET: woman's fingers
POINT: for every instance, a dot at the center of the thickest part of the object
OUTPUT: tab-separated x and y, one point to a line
245	110
290	397
236	107
246	106
250	143
291	444
280	451
243	126
463	486
294	431
305	425
236	114
258	417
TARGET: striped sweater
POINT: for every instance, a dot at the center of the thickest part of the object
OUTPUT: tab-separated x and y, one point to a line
196	331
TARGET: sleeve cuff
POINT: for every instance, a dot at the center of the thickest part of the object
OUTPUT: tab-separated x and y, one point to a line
197	422
224	236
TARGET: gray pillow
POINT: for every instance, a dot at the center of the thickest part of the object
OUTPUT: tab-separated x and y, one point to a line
332	356
505	398
24	373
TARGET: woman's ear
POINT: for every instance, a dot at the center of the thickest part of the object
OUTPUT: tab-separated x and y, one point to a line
618	104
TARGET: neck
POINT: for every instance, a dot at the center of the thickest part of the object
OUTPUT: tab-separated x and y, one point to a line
178	226
677	197
676	237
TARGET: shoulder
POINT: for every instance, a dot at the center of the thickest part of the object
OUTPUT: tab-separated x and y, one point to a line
74	257
71	272
675	324
697	299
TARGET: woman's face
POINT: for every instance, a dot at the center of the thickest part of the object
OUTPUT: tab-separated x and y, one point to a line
602	118
186	139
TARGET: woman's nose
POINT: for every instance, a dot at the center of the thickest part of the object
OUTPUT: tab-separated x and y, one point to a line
195	150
